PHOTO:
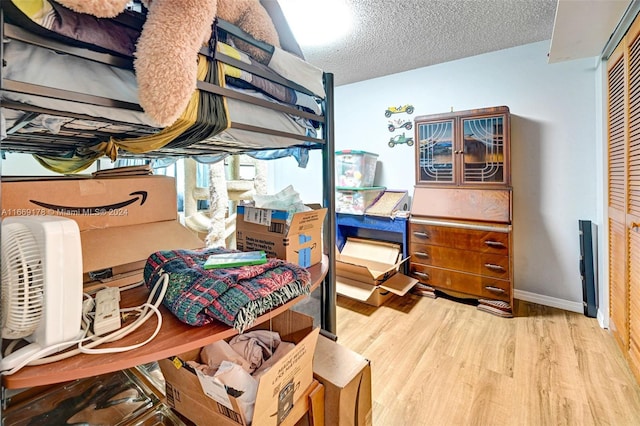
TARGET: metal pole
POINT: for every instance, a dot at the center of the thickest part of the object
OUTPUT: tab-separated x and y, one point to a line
329	298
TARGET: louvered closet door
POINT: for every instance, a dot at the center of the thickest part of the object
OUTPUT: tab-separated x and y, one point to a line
633	196
617	136
623	72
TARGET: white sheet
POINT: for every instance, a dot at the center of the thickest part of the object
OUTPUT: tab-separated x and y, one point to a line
295	69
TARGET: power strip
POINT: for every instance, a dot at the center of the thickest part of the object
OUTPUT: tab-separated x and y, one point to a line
107	317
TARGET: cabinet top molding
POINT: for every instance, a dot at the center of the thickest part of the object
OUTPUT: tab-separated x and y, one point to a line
480	111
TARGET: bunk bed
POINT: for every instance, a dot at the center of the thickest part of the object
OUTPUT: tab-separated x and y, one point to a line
87	109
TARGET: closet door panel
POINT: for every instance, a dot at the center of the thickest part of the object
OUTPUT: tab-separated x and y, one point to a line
619	296
633	200
617	137
634	298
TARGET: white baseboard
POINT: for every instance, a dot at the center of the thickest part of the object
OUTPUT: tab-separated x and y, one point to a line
549	301
602	319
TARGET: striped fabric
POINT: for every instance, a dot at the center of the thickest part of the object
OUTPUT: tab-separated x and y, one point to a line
233	296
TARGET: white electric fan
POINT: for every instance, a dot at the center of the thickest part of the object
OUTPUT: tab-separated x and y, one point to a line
41	294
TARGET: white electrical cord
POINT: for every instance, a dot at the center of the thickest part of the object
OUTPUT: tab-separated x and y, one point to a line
146	310
87	349
87	305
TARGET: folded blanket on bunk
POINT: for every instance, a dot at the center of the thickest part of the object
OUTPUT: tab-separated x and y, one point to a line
233	296
237	77
52	20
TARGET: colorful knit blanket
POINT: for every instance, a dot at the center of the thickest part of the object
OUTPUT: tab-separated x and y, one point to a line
234	296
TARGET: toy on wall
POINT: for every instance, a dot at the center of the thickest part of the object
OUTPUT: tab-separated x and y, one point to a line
400	123
398	110
400	139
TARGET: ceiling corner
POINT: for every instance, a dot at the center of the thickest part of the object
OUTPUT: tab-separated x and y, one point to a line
582	28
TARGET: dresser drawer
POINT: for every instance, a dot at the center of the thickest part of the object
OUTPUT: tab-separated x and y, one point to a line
460	238
461	282
479	263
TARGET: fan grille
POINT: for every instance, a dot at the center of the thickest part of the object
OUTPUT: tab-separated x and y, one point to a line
22	282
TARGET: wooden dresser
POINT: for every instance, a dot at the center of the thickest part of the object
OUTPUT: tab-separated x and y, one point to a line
460	230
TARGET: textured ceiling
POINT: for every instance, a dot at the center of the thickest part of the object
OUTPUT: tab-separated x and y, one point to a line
392	36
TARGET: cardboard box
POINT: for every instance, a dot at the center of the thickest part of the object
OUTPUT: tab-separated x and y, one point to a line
122	220
298	241
346	376
116	256
360	277
278	388
92	203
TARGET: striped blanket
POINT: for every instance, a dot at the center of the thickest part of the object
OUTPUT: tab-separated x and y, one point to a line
234	296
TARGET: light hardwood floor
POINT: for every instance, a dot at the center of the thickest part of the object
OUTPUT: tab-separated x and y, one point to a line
442	362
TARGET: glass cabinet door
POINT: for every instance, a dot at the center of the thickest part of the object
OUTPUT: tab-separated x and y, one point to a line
483	150
435	151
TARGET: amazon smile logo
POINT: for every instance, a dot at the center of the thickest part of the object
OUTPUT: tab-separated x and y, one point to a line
70	210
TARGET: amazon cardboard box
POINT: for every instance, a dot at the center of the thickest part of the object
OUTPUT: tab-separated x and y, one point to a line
346	376
205	400
367	270
122	220
93	203
296	238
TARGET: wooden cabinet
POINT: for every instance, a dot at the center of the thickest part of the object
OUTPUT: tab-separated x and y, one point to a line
462	257
464	148
460	231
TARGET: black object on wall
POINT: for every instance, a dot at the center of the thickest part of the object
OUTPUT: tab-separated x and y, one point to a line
589	267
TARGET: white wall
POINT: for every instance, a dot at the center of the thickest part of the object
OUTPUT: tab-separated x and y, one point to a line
554	141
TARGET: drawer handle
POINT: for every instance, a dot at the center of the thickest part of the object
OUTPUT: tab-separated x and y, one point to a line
421	275
421	235
494	267
496	244
421	254
495	289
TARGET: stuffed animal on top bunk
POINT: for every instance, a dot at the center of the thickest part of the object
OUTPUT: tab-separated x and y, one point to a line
174	31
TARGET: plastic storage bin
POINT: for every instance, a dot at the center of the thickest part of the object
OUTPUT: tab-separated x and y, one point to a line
355	169
357	200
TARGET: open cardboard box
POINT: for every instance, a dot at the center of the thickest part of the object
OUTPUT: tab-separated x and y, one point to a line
346	376
371	281
122	220
205	401
299	241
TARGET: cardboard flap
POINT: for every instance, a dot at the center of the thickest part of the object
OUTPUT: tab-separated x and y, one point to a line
108	247
336	364
284	378
368	260
382	251
301	222
368	268
399	284
354	289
